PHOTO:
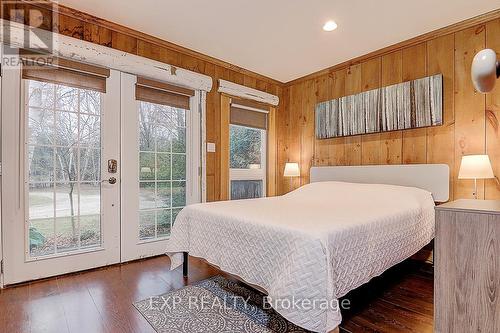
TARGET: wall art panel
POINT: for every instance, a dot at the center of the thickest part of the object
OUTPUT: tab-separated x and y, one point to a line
412	104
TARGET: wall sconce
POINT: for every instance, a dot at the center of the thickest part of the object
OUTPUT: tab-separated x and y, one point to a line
485	70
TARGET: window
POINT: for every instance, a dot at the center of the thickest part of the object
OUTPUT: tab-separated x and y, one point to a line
247	160
63	153
162	168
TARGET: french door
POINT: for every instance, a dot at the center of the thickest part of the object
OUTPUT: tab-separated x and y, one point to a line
160	167
60	214
90	178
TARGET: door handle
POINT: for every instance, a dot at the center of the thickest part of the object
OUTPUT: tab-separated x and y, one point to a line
111	180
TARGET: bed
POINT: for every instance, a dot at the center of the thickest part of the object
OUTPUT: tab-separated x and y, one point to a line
308	248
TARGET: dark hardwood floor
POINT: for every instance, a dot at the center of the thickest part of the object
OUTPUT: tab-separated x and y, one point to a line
101	300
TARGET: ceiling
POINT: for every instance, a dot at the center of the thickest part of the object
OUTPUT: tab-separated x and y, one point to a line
283	39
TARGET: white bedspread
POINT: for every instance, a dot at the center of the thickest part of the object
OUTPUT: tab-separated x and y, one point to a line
314	244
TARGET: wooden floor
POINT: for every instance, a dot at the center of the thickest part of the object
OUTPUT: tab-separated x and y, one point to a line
101	300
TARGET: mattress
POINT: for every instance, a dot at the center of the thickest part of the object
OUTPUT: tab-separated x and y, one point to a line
310	247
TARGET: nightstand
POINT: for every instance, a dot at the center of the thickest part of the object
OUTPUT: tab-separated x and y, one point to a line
467	267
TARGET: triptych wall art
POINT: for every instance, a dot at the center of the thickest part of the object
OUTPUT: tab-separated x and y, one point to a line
412	104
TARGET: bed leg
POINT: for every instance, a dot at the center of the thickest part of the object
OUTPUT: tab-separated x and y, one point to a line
185	264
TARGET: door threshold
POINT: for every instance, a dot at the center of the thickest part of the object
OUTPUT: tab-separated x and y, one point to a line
25	283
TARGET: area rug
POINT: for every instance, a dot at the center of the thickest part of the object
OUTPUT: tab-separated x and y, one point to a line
214	305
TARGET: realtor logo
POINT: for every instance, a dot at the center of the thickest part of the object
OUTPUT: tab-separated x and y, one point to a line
38	17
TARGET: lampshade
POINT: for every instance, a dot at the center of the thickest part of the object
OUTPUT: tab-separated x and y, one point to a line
292	170
475	167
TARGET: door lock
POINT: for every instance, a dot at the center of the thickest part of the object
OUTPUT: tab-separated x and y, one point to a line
111	180
112	166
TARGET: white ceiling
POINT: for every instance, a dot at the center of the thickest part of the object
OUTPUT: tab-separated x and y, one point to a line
283	39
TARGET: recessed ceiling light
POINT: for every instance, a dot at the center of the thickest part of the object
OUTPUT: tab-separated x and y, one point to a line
330	25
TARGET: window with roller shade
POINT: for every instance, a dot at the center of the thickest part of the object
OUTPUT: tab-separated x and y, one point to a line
247	153
162	156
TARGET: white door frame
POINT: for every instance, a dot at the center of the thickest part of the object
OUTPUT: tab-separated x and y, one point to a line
18	266
131	247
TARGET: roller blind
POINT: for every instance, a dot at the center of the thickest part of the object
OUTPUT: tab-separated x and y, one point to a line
248	114
64	72
162	93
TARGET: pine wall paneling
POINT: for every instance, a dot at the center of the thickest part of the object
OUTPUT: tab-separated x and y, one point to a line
414	140
272	154
295	129
282	125
323	93
307	129
469	106
470	119
330	151
492	190
441	139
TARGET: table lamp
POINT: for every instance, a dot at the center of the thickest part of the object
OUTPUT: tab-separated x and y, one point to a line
291	170
475	167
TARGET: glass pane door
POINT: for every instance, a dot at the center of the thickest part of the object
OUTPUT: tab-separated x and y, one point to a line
63	165
162	168
60	213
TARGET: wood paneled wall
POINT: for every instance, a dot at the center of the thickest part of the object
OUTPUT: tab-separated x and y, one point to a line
470	118
83	26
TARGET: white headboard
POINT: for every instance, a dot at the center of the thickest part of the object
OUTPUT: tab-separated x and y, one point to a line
434	178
